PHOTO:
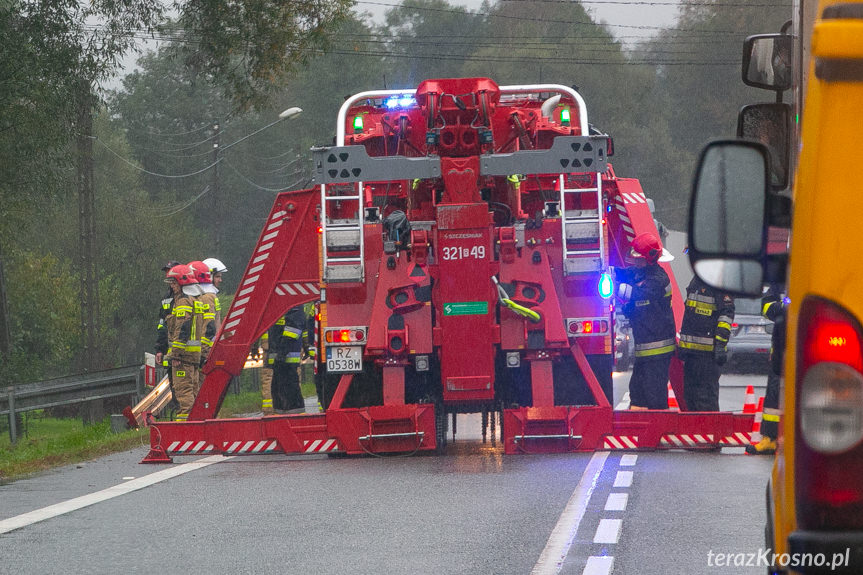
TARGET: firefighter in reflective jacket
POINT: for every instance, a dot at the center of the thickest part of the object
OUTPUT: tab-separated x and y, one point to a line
184	327
644	291
287	396
162	344
269	345
206	308
704	334
772	308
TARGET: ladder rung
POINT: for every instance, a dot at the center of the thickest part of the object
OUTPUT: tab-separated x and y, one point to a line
337	198
580	190
583	219
353	260
582	253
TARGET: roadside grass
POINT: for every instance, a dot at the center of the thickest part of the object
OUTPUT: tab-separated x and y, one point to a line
52	442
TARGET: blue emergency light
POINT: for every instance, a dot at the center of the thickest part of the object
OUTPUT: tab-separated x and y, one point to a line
399	102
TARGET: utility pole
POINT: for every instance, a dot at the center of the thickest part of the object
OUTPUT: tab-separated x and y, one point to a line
215	213
91	411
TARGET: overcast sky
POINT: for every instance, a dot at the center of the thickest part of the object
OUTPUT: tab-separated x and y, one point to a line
626	18
623	17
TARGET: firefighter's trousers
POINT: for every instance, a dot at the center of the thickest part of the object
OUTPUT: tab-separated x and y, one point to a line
700	381
286	387
770	418
648	386
185	377
266	390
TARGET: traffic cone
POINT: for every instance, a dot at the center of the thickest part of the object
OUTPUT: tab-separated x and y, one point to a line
672	400
755	436
749	400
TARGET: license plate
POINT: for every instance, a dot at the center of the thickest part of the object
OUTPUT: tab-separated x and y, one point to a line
345	358
756	329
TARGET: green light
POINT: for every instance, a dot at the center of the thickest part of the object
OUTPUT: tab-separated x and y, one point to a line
358	124
564	116
606	286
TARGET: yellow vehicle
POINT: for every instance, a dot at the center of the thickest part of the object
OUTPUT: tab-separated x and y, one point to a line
815	495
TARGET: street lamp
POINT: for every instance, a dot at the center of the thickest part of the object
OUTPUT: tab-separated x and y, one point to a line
286	115
291	112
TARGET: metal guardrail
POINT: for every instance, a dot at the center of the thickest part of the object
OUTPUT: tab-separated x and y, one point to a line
69	391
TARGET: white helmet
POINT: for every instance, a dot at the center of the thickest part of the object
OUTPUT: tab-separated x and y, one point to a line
215	265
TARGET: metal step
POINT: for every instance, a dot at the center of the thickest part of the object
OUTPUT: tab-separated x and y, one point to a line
343	273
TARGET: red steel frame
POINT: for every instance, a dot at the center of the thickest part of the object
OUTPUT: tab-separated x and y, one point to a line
285	270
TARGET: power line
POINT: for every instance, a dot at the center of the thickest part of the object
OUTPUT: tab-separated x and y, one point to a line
503	59
140	169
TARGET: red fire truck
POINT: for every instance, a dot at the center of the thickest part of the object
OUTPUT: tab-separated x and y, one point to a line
460	242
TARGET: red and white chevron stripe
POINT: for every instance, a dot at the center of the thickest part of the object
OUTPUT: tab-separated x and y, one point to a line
620	442
297	288
633	198
625	222
238	308
320	446
672	440
739	438
190	447
250	447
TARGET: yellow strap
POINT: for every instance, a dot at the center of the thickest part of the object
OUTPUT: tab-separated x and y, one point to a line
521	310
691	345
770	417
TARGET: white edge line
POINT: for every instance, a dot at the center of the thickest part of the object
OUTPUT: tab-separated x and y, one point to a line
64	507
552	557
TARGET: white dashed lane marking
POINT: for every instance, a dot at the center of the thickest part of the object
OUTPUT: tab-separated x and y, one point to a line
623	479
616	501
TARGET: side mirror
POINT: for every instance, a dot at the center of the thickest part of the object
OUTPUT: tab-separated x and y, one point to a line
767	61
727	231
769	124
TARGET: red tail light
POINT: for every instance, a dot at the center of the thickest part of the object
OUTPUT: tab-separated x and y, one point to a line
829	419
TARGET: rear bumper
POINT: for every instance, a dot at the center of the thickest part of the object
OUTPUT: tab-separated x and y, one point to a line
837	552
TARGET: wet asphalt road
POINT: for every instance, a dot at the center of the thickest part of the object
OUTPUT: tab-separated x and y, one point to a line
472	510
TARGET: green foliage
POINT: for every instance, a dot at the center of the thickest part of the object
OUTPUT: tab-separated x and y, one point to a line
283	33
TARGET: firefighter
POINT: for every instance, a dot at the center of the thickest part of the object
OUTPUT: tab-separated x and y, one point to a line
269	345
704	334
217	268
206	308
184	327
164	312
644	291
772	308
287	396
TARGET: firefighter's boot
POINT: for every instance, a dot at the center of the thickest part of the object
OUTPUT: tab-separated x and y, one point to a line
766	446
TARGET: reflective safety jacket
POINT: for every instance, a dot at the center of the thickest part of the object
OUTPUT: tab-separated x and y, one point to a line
707	318
292	335
206	307
184	328
271	342
773	308
649	311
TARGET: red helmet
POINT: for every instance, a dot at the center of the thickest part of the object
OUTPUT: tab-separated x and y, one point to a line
183	274
647	246
202	272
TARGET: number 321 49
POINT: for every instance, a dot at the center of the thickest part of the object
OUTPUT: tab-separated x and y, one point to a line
461	253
